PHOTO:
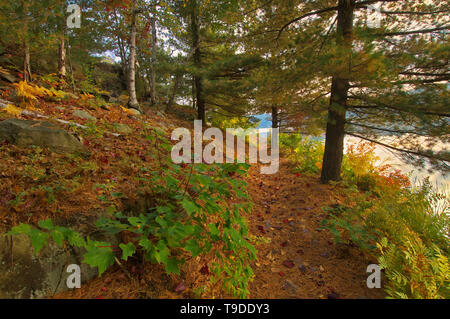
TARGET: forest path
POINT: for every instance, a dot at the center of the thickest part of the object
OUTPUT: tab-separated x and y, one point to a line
296	259
301	260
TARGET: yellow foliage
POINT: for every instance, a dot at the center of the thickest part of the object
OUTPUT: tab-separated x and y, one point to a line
29	93
86	96
128	111
13	110
362	158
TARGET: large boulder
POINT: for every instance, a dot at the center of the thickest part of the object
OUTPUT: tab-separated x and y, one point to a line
40	133
25	275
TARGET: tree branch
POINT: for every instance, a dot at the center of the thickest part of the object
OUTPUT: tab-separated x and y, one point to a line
305	16
392	34
398	149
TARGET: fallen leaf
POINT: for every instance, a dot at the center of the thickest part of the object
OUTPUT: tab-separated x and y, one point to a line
180	287
288	263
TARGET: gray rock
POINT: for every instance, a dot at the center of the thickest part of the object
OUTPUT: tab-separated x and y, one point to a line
122	128
7	76
40	133
134	111
84	115
27	275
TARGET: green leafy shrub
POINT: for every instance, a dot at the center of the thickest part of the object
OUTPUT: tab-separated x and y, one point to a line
196	210
411	236
305	152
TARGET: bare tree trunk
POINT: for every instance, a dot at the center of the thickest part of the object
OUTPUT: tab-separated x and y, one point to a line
153	62
26	62
132	103
62	55
174	92
334	142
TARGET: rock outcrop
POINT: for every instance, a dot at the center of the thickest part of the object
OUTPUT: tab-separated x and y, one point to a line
40	133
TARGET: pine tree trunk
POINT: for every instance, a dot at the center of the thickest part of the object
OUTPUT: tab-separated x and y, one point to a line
194	99
334	141
174	92
201	110
274	117
132	103
153	62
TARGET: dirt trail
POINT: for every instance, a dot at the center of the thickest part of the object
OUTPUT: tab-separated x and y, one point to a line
301	260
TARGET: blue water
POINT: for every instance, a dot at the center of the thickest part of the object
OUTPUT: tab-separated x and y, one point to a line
266	120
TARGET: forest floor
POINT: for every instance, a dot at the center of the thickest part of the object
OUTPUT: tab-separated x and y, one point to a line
296	259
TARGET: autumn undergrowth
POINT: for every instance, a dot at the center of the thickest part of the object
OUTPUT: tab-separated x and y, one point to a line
197	210
406	228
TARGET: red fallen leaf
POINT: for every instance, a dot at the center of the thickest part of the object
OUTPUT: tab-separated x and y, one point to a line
100	297
281	273
181	287
284	244
285	221
308	185
298	174
20	75
288	264
300	251
259	215
86	143
205	270
103	289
